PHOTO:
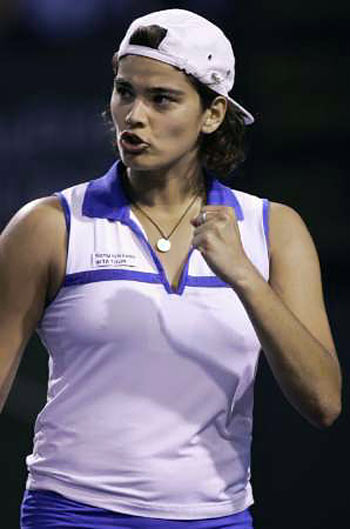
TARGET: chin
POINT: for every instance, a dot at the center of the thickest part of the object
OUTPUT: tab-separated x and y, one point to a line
137	162
148	161
142	162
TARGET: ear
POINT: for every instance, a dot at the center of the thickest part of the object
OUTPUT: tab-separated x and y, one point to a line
214	115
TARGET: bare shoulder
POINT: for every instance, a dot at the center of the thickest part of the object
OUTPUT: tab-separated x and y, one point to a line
31	247
295	272
35	212
286	224
36	223
291	246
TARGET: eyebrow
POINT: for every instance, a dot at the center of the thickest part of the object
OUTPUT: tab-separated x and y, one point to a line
154	89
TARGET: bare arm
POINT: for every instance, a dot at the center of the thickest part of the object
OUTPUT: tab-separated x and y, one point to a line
290	319
27	247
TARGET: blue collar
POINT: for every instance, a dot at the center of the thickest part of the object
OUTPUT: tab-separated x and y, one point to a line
105	197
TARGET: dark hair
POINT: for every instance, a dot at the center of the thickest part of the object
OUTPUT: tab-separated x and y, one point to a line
222	150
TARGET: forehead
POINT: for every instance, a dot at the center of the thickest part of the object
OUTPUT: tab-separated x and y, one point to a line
146	71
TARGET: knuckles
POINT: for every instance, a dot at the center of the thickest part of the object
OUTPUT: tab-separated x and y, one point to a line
226	213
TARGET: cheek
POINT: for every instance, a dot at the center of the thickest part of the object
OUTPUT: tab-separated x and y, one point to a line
181	127
116	113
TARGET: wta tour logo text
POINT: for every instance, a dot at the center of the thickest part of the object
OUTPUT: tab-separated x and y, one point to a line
100	260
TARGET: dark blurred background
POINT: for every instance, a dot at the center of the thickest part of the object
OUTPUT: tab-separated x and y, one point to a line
292	73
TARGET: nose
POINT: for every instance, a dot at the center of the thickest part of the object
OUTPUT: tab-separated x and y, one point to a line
136	114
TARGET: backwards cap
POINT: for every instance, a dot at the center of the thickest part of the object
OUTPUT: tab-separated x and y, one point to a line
194	45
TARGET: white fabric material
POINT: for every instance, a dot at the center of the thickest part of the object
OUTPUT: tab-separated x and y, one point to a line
150	394
193	44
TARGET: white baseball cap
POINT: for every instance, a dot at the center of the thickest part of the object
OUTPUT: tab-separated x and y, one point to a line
193	44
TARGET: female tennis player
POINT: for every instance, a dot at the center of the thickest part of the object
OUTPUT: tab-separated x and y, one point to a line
154	288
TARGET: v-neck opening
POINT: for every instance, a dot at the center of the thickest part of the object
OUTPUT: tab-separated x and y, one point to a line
135	224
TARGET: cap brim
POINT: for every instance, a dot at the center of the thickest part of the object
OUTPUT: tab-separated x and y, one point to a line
248	118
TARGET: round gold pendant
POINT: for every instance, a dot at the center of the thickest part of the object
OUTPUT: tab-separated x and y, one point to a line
163	245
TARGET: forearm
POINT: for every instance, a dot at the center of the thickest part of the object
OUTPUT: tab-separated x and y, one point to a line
306	372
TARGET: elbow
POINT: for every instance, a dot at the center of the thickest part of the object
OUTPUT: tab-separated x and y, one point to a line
328	418
331	408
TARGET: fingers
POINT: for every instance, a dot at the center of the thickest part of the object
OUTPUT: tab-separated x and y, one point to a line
223	213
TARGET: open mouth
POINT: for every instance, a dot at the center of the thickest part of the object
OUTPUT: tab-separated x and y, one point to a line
132	143
132	147
132	138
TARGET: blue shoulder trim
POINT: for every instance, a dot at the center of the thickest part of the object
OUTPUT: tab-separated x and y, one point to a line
266	209
66	209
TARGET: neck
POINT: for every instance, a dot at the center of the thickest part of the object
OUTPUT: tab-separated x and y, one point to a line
166	190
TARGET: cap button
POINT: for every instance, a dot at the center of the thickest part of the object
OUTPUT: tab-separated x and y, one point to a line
216	77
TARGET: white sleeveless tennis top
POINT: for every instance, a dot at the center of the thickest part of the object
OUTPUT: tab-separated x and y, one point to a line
150	392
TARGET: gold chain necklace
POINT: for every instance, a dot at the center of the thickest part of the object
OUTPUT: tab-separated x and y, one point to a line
163	244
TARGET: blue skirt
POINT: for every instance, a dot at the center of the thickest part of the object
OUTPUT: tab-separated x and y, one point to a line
45	509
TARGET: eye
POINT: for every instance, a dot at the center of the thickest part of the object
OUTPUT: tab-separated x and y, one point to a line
122	90
162	99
